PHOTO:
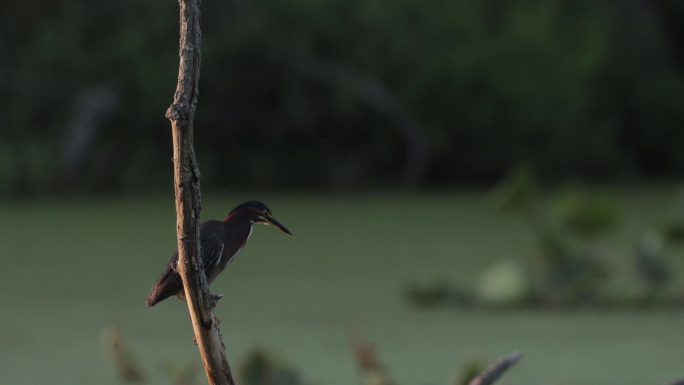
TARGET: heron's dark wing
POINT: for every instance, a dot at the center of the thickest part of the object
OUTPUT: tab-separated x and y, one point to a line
169	282
212	252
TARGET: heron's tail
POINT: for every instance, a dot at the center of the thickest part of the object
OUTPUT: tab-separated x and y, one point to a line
168	284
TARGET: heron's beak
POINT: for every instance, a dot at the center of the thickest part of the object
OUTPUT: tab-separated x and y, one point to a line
274	222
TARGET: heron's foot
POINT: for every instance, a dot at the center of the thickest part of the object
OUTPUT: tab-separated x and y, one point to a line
213	300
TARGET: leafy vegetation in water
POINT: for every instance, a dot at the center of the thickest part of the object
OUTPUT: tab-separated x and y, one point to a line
571	266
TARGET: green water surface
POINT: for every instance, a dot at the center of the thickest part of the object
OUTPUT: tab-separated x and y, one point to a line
69	267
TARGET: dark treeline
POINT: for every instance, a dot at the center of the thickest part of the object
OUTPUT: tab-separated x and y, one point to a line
343	93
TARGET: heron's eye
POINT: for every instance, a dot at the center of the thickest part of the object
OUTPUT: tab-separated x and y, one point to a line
266	213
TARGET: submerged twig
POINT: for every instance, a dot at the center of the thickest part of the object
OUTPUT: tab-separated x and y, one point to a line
495	370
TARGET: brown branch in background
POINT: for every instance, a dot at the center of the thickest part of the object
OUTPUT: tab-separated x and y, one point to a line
372	371
187	188
495	370
92	111
375	94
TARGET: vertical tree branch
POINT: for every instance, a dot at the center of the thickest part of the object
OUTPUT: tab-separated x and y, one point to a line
188	204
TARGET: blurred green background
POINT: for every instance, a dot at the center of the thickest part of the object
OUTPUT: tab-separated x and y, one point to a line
375	130
343	94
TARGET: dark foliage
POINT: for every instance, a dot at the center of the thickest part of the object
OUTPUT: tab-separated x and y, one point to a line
573	89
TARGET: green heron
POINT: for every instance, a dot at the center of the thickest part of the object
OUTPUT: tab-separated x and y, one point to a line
220	242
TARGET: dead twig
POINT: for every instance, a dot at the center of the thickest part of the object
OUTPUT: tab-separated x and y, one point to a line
372	371
118	353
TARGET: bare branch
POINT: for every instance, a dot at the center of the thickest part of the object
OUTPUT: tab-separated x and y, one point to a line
495	370
188	203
